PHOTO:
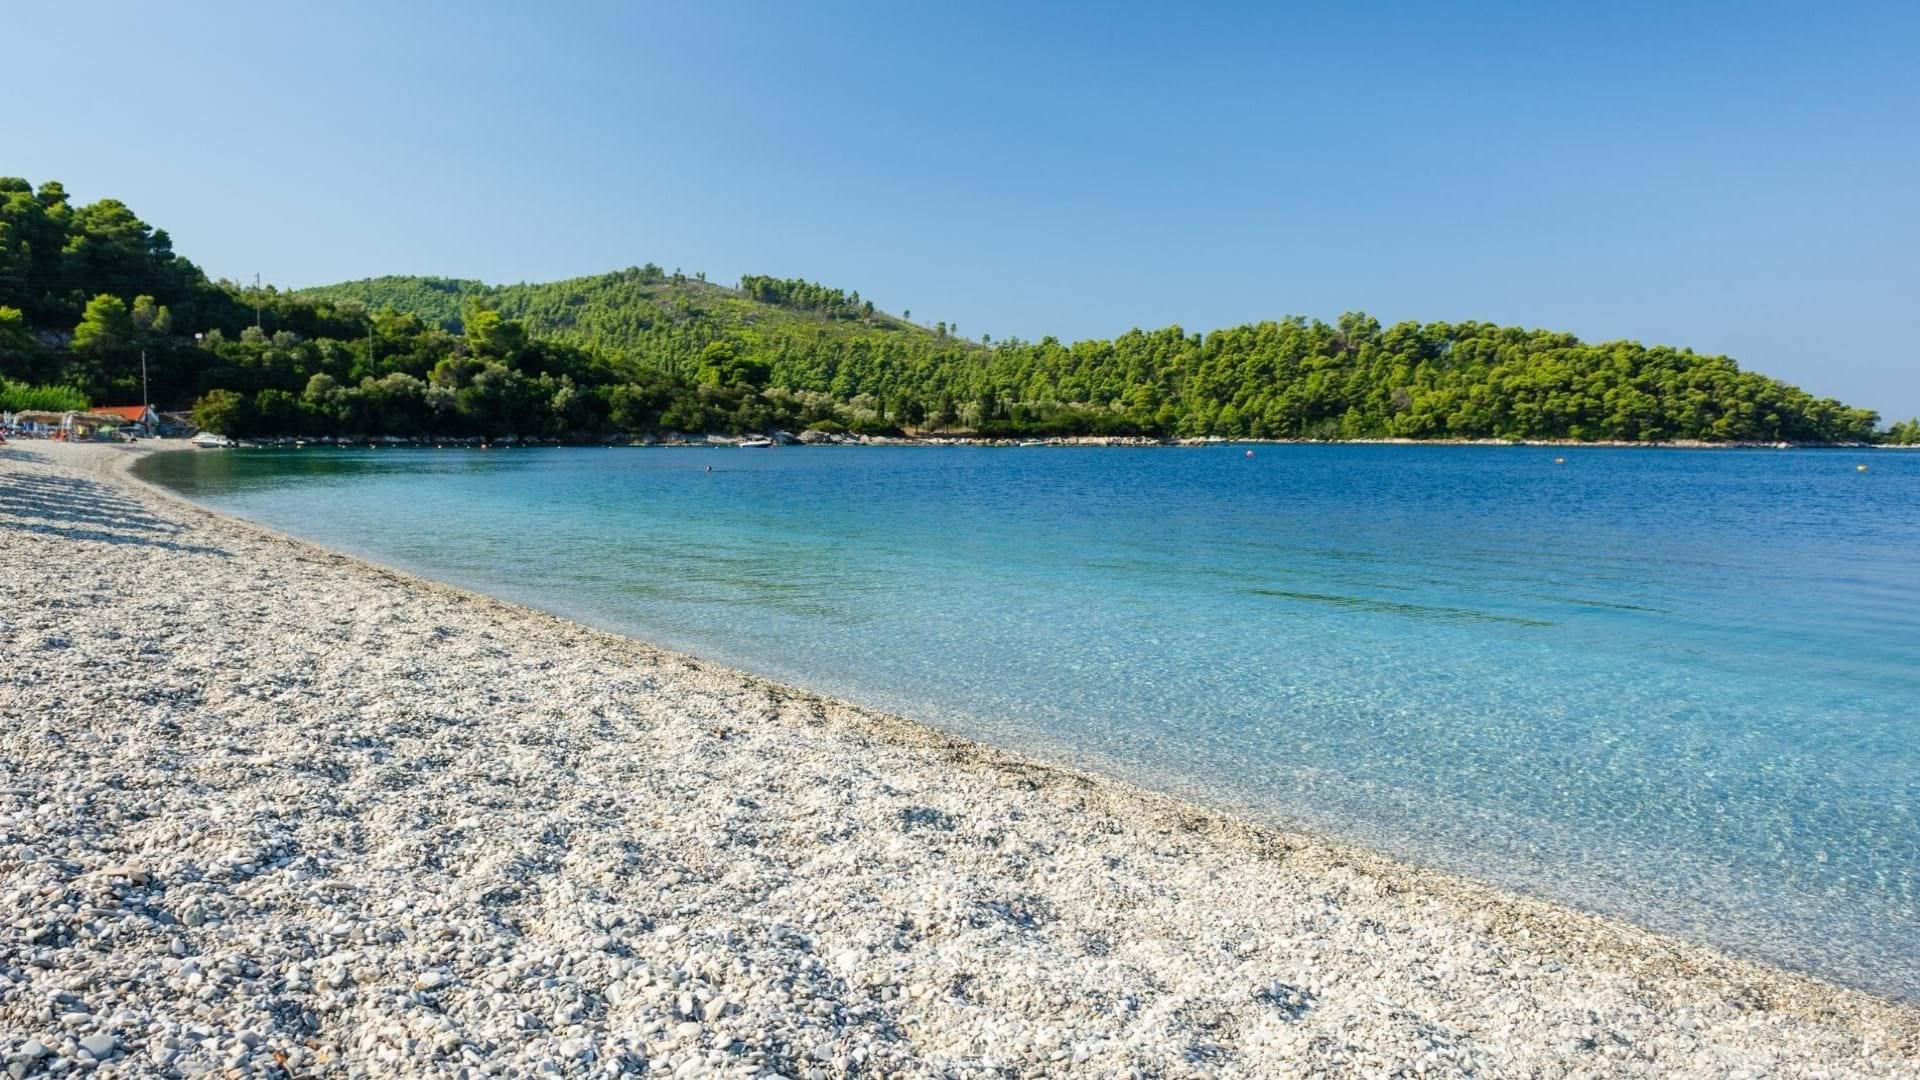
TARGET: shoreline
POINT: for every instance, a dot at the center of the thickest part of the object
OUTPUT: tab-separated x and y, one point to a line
1245	948
785	439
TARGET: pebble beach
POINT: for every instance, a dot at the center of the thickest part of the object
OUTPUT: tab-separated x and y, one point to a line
268	810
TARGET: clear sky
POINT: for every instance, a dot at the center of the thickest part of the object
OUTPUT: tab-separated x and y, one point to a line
1739	178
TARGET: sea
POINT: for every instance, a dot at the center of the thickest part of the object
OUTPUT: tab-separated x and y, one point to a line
1679	687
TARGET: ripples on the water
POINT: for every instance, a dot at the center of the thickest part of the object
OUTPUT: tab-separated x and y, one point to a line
1680	686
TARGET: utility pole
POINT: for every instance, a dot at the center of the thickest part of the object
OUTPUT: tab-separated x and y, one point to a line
256	300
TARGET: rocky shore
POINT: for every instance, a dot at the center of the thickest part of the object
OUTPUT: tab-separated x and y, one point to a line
267	810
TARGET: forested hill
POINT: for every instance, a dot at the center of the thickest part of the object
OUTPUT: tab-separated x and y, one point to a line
86	292
1291	378
646	312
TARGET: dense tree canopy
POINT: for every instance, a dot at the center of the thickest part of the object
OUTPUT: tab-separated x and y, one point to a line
85	292
1296	378
805	295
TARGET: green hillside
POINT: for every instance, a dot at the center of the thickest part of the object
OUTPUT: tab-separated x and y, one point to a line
621	308
1293	378
92	297
651	315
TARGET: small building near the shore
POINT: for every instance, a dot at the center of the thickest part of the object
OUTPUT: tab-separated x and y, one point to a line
141	418
89	425
66	425
37	422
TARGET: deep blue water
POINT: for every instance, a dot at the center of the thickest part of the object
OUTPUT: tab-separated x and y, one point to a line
1679	686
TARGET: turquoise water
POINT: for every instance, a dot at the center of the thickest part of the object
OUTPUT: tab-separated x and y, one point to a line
1678	686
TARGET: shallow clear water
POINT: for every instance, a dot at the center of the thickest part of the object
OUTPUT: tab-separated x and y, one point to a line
1680	686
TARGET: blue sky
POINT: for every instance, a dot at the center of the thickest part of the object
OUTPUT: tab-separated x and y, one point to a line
1742	179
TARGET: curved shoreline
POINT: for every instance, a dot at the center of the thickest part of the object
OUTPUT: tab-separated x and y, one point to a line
901	730
1139	442
907	731
1563	961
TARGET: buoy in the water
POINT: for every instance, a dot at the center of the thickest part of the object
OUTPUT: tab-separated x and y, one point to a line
1249	453
1559	461
1861	468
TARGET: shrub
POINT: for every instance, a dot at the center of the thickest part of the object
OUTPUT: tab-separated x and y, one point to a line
222	412
19	396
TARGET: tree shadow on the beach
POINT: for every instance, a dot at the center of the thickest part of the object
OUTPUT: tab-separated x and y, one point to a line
76	509
81	501
19	453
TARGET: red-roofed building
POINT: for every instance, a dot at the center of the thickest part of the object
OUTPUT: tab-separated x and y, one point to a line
140	416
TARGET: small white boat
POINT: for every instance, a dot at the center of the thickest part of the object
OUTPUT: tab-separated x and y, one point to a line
756	443
207	440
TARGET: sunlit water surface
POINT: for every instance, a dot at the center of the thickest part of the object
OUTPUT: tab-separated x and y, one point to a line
1682	687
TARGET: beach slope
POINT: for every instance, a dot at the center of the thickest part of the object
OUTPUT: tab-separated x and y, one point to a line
269	809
